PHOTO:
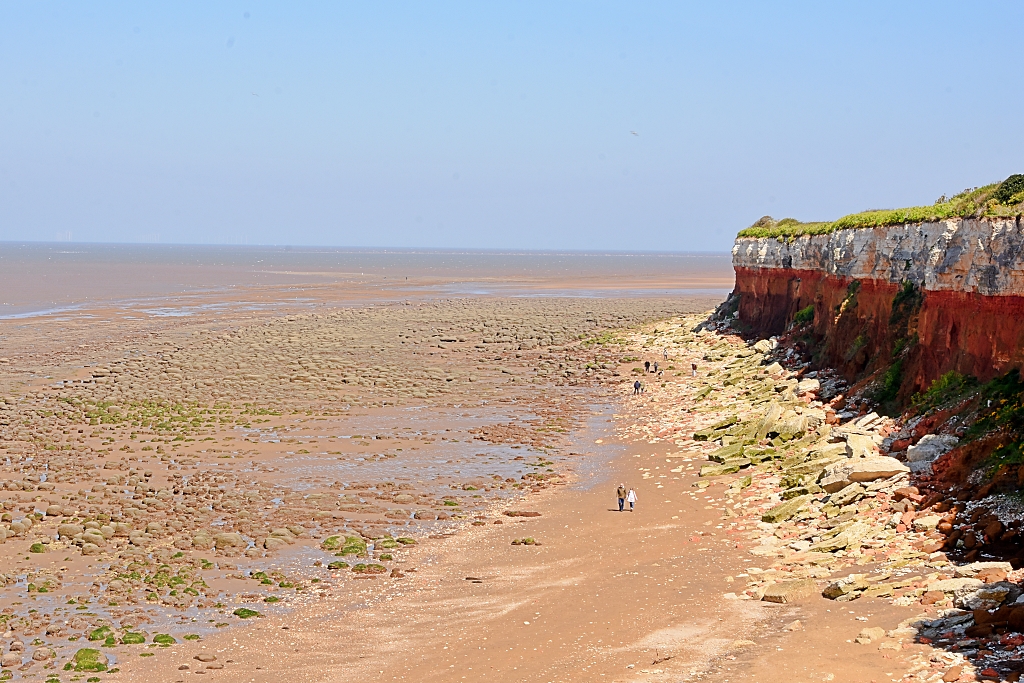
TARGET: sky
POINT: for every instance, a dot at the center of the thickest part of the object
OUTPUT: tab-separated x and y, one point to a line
640	126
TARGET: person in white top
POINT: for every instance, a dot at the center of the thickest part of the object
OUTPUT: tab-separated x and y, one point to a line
631	499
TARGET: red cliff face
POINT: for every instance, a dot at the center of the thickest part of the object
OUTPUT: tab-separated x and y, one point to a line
876	300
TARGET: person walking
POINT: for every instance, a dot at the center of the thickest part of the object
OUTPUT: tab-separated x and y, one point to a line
655	366
631	499
621	494
636	388
647	366
693	366
664	352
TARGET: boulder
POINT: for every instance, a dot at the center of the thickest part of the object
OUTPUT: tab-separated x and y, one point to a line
69	530
931	446
969	570
275	543
860	446
784	511
848	536
202	541
847	495
228	540
786	592
926	523
841	474
987	597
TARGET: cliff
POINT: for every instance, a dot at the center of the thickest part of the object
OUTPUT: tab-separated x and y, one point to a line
933	297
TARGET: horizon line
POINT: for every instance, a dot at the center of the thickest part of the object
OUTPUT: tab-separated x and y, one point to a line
446	250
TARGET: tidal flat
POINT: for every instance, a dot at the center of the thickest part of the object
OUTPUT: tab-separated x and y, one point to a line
167	476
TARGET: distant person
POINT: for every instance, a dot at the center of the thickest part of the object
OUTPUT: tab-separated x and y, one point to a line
693	366
631	499
620	493
647	366
636	387
655	366
643	387
665	353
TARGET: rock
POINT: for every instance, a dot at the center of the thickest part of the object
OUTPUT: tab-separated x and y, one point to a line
769	422
790	591
795	626
90	549
69	530
841	474
969	570
784	511
202	541
10	660
847	495
41	654
866	635
956	586
88	659
228	540
730	467
849	536
283	534
205	657
808	386
182	543
764	345
860	446
926	523
953	674
988	597
275	543
54	511
94	537
931	447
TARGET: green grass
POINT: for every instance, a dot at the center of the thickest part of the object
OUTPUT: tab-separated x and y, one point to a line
998	199
804	315
949	386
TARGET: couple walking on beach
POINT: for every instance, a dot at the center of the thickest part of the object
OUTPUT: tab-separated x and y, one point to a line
625	496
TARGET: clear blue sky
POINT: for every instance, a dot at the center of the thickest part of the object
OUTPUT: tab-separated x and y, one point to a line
488	124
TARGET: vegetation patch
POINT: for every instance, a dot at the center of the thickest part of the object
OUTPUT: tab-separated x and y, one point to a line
164	640
87	659
949	386
244	613
804	315
1005	199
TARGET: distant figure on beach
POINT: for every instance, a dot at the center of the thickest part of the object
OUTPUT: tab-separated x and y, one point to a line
694	367
664	351
647	366
620	493
631	499
636	387
655	366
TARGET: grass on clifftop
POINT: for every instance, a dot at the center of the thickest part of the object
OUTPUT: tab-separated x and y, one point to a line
998	199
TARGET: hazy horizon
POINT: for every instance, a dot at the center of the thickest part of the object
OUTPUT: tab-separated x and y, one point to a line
658	127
